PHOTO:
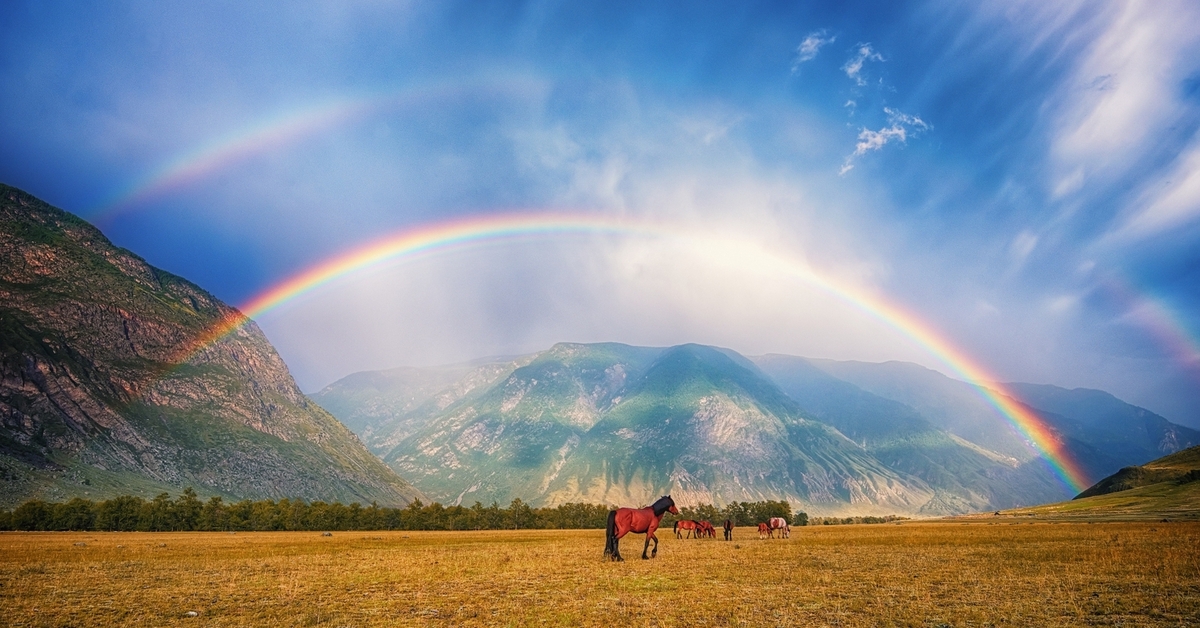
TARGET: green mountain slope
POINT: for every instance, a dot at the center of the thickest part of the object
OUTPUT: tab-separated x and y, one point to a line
966	475
1164	489
1126	431
613	423
92	403
946	403
385	407
710	427
1099	432
1180	467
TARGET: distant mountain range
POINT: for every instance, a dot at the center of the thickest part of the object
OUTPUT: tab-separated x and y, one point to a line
92	403
105	389
614	423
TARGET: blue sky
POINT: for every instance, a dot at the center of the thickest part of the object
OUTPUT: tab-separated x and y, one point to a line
1024	176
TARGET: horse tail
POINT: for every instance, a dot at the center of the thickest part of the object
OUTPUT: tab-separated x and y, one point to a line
610	532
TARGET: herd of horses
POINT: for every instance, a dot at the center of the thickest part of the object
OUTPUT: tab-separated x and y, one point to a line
622	521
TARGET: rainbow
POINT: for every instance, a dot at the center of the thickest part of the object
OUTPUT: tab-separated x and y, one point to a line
456	234
1155	316
274	132
289	126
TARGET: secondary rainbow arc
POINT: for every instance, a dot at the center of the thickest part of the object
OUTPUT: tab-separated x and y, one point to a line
288	126
443	236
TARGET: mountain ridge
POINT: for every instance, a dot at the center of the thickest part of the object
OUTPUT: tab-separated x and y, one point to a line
666	424
93	404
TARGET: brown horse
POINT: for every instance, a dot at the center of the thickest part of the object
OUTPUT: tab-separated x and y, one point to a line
728	529
707	529
622	521
691	526
781	524
764	531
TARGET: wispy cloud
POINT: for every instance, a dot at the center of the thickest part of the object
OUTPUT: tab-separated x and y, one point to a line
1172	203
1118	119
1022	245
854	65
900	127
808	49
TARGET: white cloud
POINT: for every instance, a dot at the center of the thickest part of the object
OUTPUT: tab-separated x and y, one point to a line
854	65
901	126
1063	303
1119	114
1069	184
808	49
1169	202
1022	246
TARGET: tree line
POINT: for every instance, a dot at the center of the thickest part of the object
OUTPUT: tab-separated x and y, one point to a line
835	521
188	512
740	513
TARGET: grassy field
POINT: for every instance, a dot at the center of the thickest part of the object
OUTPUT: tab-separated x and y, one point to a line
1004	573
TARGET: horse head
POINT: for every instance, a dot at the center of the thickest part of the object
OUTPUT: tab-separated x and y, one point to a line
664	504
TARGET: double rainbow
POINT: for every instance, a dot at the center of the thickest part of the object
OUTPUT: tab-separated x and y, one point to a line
457	234
287	127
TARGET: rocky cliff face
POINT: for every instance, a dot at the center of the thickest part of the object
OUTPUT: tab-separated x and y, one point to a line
610	423
106	385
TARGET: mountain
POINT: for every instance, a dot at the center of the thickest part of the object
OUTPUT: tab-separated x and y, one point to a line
1126	431
949	404
612	423
1097	430
385	407
618	424
901	437
1180	468
1166	489
105	388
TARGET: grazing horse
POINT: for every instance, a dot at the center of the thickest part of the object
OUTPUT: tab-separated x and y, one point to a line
728	530
706	529
781	524
690	525
622	521
764	531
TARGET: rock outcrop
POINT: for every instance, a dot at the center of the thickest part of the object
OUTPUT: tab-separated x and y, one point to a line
115	378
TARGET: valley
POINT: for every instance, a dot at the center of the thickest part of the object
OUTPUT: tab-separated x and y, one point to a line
612	423
911	574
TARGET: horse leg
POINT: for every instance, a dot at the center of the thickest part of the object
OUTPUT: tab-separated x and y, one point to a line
616	549
650	536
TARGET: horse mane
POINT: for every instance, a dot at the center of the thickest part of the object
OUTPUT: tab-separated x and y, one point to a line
661	506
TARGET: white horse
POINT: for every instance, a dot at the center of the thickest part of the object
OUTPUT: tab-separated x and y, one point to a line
781	524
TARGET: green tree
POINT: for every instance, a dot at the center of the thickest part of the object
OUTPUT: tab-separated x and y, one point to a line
520	515
77	514
157	515
32	515
187	510
213	515
413	516
264	515
240	515
120	513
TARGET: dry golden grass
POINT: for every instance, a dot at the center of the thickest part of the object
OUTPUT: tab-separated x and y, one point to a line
914	574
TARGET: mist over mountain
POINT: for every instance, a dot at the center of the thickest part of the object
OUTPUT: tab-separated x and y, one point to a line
615	423
1099	431
93	404
903	438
